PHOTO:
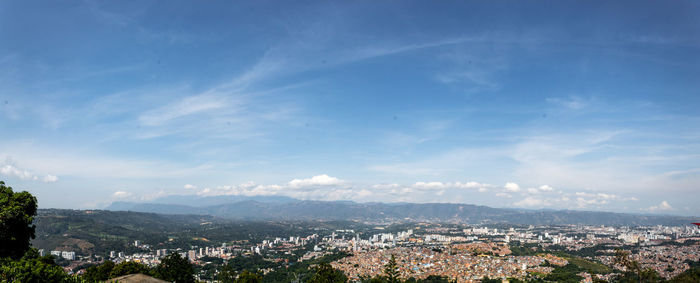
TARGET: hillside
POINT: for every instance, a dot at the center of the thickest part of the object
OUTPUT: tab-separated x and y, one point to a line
370	212
100	231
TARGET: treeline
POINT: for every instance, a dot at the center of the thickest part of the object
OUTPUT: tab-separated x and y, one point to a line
172	268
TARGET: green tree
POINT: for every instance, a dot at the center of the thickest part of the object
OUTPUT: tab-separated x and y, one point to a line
248	277
33	268
17	211
486	279
176	269
226	275
376	279
325	273
99	273
18	261
391	271
437	279
129	267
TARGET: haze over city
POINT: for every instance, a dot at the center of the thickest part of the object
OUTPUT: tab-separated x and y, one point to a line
582	105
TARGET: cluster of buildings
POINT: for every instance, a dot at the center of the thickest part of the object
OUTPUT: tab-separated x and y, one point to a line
667	260
464	253
67	255
421	262
225	251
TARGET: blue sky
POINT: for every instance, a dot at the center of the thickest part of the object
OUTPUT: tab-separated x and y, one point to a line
564	104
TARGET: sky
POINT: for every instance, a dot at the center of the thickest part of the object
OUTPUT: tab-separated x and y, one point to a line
584	105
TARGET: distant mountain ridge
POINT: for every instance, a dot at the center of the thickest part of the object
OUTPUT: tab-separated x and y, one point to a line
275	208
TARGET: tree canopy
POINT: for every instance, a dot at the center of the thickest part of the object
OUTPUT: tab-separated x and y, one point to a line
325	273
33	268
248	277
391	271
175	268
17	211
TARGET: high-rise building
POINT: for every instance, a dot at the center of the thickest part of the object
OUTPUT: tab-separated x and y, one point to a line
42	252
68	255
112	254
192	255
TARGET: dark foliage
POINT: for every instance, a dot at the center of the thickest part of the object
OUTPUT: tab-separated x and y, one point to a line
248	277
129	267
17	211
99	273
33	268
325	273
174	268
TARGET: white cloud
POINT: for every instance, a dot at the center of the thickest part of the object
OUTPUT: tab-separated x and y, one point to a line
546	196
12	171
321	187
503	195
435	185
429	185
531	202
325	187
319	180
512	187
385	186
604	196
583	203
472	185
245	189
607	196
50	179
584	194
546	188
121	194
661	207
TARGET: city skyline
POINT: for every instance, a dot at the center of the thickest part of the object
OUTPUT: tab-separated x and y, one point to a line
588	106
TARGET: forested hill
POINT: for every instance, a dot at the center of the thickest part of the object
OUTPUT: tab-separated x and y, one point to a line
89	231
441	212
101	231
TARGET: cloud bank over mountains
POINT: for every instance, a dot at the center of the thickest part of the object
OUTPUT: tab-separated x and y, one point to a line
328	188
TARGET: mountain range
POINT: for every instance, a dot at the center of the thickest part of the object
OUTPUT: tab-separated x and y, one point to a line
284	208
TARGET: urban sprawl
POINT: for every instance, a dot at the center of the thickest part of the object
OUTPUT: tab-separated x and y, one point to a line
459	252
